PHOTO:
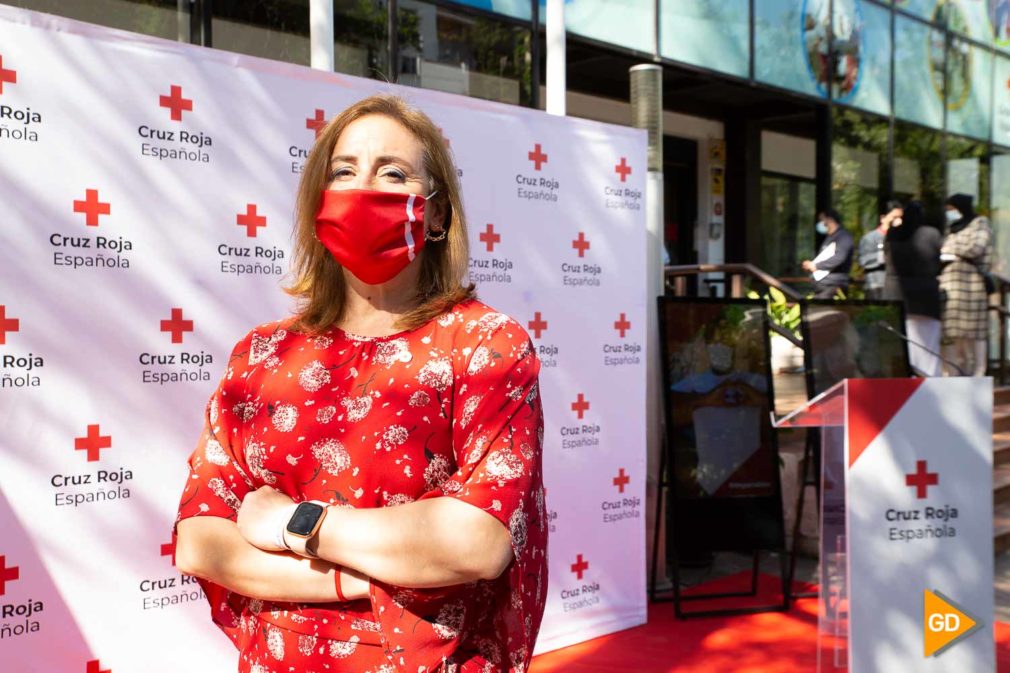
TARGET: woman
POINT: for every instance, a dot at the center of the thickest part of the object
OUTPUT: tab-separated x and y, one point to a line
966	253
402	416
912	250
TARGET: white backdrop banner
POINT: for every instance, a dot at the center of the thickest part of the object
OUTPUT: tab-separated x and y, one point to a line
146	198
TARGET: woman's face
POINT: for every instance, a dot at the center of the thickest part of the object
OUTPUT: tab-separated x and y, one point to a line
378	153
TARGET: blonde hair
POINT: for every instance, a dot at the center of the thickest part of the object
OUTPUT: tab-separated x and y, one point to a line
319	282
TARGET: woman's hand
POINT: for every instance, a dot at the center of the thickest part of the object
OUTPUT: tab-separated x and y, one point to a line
262	517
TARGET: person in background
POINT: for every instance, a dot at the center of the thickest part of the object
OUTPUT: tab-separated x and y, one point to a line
912	266
830	268
871	253
966	255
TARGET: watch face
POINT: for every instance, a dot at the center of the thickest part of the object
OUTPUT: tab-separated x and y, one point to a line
303	521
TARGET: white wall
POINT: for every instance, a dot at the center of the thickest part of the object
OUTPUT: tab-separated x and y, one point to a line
789	155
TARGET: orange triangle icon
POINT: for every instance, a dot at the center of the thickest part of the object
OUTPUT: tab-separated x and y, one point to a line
944	623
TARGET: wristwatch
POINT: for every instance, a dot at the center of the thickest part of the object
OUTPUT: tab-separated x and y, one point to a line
303	525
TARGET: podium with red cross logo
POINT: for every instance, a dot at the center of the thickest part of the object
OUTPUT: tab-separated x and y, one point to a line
906	565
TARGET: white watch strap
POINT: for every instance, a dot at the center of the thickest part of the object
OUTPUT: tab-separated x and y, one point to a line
282	523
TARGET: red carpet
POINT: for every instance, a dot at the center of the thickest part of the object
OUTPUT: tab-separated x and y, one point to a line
766	643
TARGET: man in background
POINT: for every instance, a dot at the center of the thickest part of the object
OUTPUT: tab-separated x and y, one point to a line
871	252
830	268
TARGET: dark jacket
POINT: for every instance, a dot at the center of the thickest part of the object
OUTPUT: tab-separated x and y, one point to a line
839	263
913	265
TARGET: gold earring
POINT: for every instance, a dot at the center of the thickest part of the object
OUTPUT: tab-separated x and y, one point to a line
434	239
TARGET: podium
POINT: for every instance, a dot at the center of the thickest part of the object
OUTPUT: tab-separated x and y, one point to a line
906	550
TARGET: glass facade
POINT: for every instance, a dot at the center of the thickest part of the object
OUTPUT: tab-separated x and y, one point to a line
934	63
918	72
469	54
788	209
859	168
707	33
160	18
917	91
791	45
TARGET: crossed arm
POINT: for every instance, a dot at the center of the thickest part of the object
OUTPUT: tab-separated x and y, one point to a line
430	543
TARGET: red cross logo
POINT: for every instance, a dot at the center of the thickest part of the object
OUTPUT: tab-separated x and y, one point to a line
621	480
623	169
95	667
8	76
581	244
538	324
168	549
176	103
490	238
91	207
580	406
7	574
317	123
251	220
93	443
176	325
622	325
7	325
537	157
922	480
580	566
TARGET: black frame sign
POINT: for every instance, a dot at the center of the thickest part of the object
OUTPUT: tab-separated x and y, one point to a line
722	455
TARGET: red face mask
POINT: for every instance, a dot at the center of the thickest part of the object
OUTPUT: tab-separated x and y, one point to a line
374	235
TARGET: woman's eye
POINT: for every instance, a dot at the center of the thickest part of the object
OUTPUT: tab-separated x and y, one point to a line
339	173
395	175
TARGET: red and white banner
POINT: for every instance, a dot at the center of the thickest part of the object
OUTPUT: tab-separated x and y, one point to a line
917	473
147	190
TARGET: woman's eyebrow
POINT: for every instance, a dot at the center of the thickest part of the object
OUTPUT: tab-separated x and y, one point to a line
384	159
343	158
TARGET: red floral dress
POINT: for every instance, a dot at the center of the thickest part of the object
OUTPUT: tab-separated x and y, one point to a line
449	409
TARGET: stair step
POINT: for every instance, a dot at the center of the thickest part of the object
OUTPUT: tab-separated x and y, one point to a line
1001	418
1001	528
1001	396
1000	448
1001	484
1000	453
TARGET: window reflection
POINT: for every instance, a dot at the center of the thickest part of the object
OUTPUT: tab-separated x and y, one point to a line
787	224
465	54
859	171
968	170
275	29
1000	212
360	30
160	18
917	172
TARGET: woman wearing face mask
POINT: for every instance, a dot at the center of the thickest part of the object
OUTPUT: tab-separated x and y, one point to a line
367	494
913	263
966	253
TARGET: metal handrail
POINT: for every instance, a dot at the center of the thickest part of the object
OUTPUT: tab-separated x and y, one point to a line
736	272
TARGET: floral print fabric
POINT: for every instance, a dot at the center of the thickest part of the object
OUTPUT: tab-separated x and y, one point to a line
450	409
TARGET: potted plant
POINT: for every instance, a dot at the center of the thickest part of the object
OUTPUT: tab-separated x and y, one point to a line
786	355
